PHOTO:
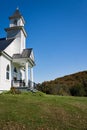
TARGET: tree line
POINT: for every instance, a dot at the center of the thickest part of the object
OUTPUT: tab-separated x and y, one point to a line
72	85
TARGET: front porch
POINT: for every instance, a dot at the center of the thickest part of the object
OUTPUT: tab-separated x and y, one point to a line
25	63
21	85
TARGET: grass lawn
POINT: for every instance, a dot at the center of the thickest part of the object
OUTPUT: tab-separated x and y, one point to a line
37	111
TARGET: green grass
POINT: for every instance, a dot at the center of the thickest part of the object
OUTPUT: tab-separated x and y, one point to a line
37	111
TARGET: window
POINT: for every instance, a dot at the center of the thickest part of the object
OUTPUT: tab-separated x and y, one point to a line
7	72
15	70
15	22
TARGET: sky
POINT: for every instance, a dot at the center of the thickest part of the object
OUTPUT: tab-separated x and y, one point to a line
57	32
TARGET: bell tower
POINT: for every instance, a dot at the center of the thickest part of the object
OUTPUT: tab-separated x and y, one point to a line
16	29
16	19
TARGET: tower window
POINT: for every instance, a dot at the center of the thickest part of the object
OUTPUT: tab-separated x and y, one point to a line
15	21
7	72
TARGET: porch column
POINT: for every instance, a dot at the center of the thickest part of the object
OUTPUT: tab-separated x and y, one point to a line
31	77
26	74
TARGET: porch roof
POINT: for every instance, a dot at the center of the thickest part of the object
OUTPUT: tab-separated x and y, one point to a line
26	54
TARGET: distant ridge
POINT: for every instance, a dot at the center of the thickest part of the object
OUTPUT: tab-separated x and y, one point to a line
73	84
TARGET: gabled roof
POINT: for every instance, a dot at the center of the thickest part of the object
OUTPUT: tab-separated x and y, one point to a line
25	54
4	43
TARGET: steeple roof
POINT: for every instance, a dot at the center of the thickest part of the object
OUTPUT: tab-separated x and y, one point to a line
17	14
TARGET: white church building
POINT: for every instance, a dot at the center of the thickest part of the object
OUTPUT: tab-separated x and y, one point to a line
16	61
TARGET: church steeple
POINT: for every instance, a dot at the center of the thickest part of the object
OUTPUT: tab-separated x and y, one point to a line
16	19
16	25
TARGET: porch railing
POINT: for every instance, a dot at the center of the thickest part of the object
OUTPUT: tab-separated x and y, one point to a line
21	83
18	83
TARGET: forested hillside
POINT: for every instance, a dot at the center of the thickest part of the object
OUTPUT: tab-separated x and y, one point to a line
74	84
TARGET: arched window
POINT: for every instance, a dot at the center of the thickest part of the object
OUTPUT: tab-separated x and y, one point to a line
7	72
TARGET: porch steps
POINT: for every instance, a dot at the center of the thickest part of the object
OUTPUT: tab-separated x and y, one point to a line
25	89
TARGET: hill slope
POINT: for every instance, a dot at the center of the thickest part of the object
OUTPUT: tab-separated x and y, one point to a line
74	84
37	111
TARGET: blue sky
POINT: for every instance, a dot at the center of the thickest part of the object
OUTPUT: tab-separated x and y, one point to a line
57	31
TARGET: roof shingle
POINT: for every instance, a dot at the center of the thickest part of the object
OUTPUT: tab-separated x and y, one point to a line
25	54
5	43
